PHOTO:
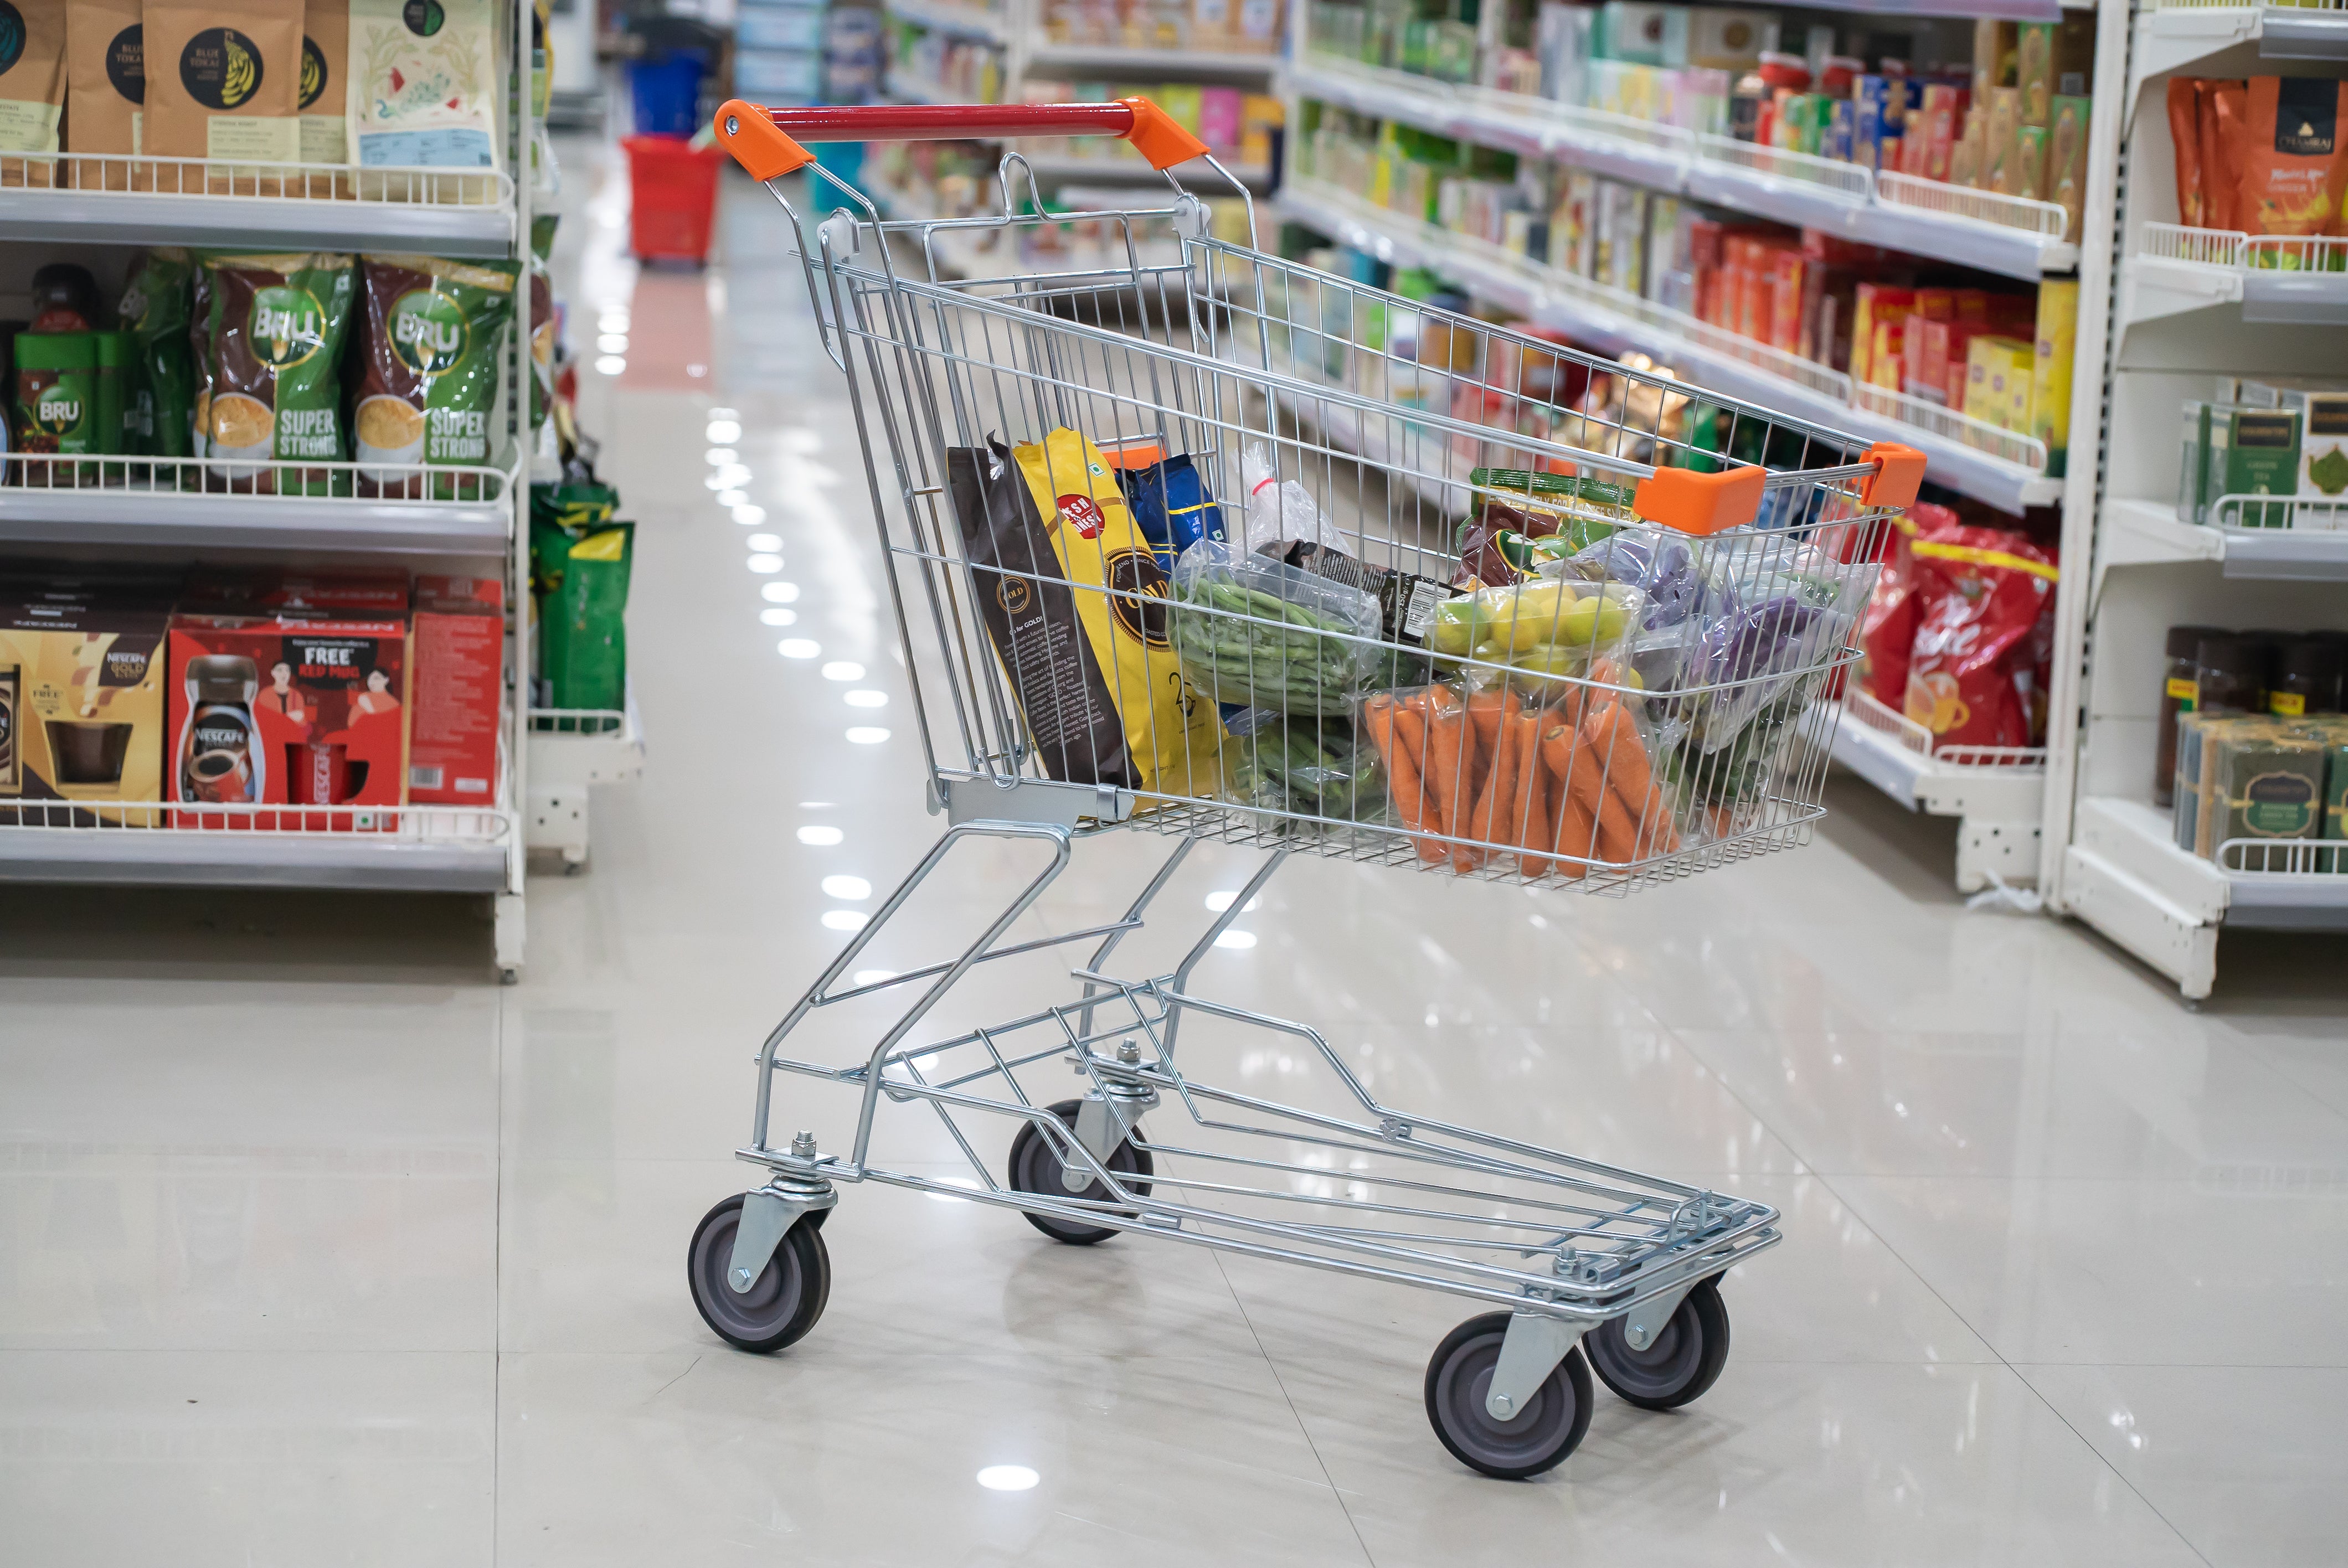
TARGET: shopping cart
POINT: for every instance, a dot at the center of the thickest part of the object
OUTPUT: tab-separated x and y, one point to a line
1665	580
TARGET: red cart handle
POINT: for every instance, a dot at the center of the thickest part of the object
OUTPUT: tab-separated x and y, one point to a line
766	141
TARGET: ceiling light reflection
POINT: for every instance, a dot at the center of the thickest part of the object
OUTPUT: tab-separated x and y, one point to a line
610	365
1242	940
842	670
852	889
749	516
797	648
1008	1478
718	456
723	431
765	563
764	541
782	592
866	737
612	343
846	919
820	837
1219	902
777	616
868	699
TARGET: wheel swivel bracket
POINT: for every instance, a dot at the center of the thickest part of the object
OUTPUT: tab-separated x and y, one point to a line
767	1216
1535	1344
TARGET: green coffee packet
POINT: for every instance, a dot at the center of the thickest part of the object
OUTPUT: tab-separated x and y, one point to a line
583	636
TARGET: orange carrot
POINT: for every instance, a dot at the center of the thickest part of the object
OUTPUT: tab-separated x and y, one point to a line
1451	764
1570	827
1498	793
1618	837
1400	733
1531	816
1622	760
1488	709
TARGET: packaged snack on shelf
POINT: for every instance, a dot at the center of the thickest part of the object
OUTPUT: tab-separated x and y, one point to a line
422	88
2252	452
105	92
81	694
228	93
2288	168
33	92
293	711
427	367
324	98
2056	346
1973	672
2185	109
1255	630
1888	626
275	345
458	633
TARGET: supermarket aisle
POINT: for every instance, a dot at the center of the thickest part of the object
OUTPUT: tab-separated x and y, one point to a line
319	1246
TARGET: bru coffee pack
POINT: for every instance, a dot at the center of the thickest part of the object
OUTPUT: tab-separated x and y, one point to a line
81	704
288	710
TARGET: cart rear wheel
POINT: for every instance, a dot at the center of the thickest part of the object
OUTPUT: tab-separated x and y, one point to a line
1036	1168
1684	1361
1458	1377
787	1298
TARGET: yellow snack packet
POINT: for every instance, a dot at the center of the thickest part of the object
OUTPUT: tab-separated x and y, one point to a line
1170	732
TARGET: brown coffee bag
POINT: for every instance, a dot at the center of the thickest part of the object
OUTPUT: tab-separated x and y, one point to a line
230	94
32	88
326	56
106	91
2223	104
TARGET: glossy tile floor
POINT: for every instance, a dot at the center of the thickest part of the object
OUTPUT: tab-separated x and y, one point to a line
318	1247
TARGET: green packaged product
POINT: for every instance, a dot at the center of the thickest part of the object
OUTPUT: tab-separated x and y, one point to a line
116	429
583	638
56	401
275	333
2252	452
2268	782
155	309
560	517
426	370
2193	465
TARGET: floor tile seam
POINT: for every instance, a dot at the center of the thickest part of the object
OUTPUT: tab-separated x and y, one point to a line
2154	1509
1296	1414
1894	1251
2282	1066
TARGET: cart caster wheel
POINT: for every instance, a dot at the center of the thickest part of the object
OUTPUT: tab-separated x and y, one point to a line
1684	1361
1036	1168
1458	1376
784	1302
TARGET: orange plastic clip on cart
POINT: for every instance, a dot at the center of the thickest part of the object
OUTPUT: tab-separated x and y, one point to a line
1182	537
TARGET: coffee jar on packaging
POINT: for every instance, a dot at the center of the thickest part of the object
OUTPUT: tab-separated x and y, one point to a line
32	89
226	92
426	373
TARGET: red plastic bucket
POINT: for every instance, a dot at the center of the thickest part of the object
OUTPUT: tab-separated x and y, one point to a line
673	191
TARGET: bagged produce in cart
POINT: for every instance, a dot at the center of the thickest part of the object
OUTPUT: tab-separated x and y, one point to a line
1304	766
1973	675
1280	510
1541	638
1250	629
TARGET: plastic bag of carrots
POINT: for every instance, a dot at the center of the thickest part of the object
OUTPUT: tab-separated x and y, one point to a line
1565	788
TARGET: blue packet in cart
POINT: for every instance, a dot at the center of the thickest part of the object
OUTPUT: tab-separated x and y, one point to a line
1170	507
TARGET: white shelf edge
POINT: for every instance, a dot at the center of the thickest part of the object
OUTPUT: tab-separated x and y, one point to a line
1177	63
1931	785
2141	532
1397	94
585	757
2171	38
2133	836
163	856
1963	468
129	517
120	218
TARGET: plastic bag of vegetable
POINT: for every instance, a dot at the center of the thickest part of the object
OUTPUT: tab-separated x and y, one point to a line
1251	629
1279	510
1540	635
1304	764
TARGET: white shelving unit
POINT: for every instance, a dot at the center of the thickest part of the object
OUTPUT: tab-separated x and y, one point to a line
2189	304
571	749
1998	794
1016	27
479	524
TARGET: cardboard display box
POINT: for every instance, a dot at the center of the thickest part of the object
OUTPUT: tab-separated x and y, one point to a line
81	706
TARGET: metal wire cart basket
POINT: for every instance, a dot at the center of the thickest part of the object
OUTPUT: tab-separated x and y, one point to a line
1185	538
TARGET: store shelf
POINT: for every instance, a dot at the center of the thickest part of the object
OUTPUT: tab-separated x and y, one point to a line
586	745
963	21
2172	35
162	512
2269	278
2008	235
1997	794
1617	323
415	849
1181	64
2147	533
912	90
466	214
1198	179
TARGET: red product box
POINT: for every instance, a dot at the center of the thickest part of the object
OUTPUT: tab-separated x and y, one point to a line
459	635
287	710
1787	281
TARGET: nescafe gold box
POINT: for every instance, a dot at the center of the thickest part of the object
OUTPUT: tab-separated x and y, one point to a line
82	688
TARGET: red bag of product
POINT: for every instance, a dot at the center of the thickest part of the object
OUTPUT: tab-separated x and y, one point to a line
1887	630
1972	673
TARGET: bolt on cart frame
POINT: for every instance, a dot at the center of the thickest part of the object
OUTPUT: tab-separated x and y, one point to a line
1669	578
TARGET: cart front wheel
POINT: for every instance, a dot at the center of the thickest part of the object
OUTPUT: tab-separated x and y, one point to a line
786	1301
1537	1438
1036	1168
1684	1359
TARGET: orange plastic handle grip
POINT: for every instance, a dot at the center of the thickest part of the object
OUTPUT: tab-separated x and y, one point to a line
768	142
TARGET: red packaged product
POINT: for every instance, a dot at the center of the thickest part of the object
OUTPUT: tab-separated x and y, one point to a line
287	710
458	632
1887	631
1972	673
